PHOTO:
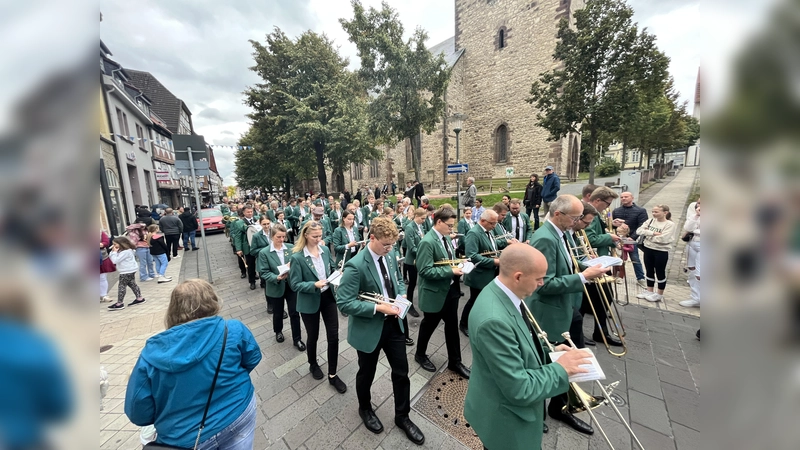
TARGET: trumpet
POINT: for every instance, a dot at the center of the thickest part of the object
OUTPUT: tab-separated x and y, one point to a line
507	236
583	250
492	253
452	262
378	299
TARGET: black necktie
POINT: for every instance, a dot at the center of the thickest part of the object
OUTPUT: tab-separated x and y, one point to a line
447	247
569	250
387	282
516	219
536	341
491	240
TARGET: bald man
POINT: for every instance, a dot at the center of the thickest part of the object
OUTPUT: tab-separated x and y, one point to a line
509	367
557	303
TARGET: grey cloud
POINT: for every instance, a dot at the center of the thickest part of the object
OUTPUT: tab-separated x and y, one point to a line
212	113
227	132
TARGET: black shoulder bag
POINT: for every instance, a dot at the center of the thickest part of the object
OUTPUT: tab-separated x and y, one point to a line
157	446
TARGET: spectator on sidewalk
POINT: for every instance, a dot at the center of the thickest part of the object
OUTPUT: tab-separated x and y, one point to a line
124	257
470	194
159	251
419	192
172	227
533	199
190	226
658	235
170	384
105	266
137	233
477	210
143	216
633	215
550	188
692	227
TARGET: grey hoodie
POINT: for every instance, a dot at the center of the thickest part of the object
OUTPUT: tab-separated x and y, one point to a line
170	224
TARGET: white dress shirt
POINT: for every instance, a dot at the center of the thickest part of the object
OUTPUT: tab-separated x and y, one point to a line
566	250
279	252
318	264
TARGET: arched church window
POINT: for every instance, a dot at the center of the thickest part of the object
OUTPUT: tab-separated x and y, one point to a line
501	38
501	144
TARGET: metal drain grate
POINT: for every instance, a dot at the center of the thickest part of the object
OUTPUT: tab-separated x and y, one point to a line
443	404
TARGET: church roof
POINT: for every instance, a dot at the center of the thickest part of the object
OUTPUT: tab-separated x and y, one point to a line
448	47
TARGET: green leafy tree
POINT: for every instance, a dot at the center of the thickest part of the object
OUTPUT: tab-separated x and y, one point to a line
308	109
406	82
602	60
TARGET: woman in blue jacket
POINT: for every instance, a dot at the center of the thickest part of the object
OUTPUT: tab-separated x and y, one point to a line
171	381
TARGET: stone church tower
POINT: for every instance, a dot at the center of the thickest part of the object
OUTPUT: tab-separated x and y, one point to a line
499	49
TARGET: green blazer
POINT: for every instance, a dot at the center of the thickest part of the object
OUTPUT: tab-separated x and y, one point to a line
260	240
476	242
598	238
562	290
326	228
434	281
509	383
267	264
366	215
328	208
427	224
303	276
500	230
525	221
272	215
340	241
411	242
365	327
239	236
463	228
334	218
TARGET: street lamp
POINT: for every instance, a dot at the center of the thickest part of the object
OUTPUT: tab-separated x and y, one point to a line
458	120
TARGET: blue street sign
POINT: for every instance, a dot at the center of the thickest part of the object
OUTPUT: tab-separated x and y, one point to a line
457	168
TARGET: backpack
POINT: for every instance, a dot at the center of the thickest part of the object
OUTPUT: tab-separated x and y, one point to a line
135	233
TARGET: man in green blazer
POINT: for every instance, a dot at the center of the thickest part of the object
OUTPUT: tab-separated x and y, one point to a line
510	375
272	212
366	213
479	240
439	292
276	288
601	199
242	246
502	211
318	214
375	327
518	223
413	235
557	302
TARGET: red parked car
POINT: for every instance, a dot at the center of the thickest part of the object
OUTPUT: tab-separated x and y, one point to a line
212	220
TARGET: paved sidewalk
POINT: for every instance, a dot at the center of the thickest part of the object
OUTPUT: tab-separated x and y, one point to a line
658	378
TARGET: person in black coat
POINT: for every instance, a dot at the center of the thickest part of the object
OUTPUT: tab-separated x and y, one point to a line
190	227
143	216
533	199
419	191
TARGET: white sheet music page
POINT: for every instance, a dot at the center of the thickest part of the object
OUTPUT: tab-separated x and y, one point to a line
606	261
595	371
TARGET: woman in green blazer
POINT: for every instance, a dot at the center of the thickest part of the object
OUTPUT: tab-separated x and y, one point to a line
308	277
345	238
276	289
335	215
464	225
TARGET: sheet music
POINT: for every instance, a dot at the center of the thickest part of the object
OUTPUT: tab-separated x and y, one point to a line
403	305
468	266
606	261
595	371
283	268
333	280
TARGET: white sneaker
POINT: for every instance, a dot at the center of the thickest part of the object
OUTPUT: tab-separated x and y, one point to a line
106	299
654	297
691	303
177	256
643	294
164	279
620	281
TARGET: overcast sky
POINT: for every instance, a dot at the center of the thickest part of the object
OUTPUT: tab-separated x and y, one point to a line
198	48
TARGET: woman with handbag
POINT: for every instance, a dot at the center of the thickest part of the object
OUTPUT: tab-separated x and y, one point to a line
106	266
657	235
192	381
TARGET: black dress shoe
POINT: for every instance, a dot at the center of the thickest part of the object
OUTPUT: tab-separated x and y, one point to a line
460	369
252	286
279	337
409	342
316	372
244	275
370	420
269	308
464	330
575	423
337	384
413	433
589	342
300	345
413	311
425	362
545	428
285	315
610	339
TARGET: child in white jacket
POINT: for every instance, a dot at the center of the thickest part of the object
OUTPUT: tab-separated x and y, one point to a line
123	255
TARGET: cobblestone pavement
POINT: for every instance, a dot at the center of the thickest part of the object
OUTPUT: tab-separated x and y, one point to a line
659	387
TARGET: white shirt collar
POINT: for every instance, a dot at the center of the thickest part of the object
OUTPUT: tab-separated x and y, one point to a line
273	249
307	253
514	299
558	230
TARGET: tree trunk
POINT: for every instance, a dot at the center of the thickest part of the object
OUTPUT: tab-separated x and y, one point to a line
592	153
624	152
415	159
339	176
287	187
319	150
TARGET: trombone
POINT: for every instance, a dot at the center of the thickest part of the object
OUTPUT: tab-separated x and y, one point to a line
582	250
492	253
579	400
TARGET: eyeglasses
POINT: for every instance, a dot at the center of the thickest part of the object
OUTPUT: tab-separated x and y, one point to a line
586	223
574	218
450	225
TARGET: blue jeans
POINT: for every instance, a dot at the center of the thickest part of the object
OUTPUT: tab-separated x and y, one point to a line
238	435
188	236
145	263
161	263
637	263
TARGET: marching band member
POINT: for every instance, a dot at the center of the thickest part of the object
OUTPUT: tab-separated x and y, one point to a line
439	292
518	223
308	277
242	246
479	240
413	235
375	327
346	238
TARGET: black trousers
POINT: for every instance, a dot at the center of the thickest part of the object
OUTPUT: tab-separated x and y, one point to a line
411	271
290	298
328	311
599	306
655	265
448	314
473	294
393	345
576	333
251	268
172	243
241	262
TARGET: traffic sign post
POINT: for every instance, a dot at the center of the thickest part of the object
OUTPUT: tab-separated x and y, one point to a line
455	169
509	174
